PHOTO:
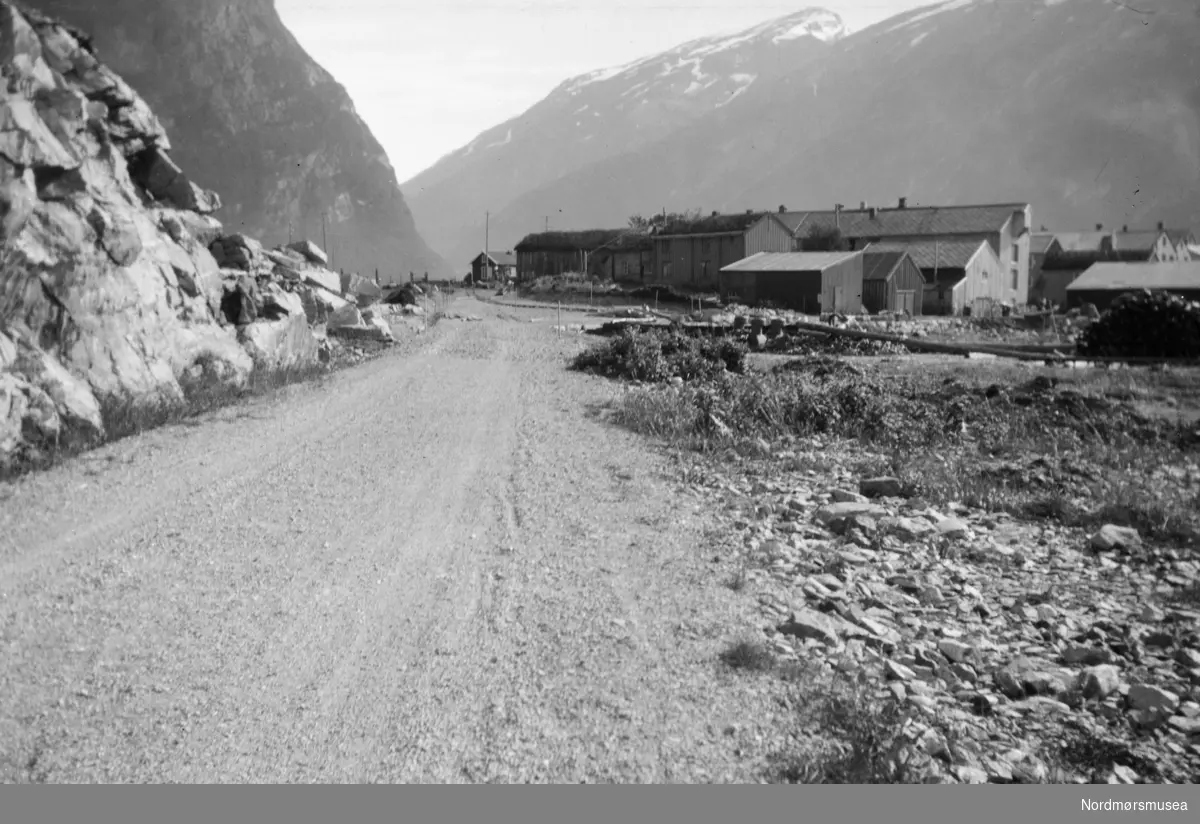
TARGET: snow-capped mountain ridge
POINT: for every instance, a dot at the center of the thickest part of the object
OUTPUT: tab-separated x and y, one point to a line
819	24
605	112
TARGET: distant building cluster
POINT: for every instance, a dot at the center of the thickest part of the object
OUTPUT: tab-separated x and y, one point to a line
945	260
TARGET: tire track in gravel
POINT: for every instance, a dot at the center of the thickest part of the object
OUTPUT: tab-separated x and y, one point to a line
330	594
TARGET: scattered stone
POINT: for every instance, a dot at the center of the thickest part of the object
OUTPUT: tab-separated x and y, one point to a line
1099	682
828	629
1152	699
1112	537
952	528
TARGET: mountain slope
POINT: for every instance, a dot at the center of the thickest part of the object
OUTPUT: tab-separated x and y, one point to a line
1088	109
602	114
272	131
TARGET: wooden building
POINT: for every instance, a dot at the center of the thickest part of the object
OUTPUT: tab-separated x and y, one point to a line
1005	226
558	253
629	258
1072	253
1103	283
960	276
692	253
892	282
493	266
810	282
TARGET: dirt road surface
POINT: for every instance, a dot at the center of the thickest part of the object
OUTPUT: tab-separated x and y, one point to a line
439	566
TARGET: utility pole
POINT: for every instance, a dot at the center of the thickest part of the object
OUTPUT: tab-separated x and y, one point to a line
325	239
487	261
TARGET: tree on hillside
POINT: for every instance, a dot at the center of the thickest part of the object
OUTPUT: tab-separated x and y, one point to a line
638	223
824	239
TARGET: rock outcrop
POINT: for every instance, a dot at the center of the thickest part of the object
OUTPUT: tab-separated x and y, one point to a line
117	282
256	118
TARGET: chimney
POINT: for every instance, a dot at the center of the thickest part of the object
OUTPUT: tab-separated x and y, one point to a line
749	211
862	205
837	215
1099	227
1160	226
871	212
716	213
903	203
783	210
1124	228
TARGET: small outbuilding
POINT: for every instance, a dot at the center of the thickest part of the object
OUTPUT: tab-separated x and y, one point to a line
810	282
892	282
960	275
1103	283
493	266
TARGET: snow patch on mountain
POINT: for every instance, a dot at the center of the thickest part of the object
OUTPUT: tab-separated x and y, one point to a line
744	82
823	26
817	23
950	5
507	139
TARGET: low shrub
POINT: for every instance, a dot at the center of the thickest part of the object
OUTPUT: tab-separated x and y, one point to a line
654	356
1153	324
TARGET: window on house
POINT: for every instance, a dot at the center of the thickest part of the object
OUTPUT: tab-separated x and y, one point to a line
1015	272
1016	253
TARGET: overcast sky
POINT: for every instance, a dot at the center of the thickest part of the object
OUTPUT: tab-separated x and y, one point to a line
429	75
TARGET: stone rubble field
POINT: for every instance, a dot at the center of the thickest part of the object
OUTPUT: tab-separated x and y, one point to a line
1019	646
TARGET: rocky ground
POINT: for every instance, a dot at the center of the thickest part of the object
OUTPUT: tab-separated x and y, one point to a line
1029	652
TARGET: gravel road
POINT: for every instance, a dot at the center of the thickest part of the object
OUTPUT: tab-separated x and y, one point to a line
440	566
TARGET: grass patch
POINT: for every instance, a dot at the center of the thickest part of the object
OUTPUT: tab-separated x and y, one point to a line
847	736
748	655
1034	447
204	390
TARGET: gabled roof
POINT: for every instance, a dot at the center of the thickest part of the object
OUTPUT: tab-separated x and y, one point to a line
499	258
1039	242
1124	276
1073	242
714	224
1136	241
909	221
1178	236
881	265
934	254
789	262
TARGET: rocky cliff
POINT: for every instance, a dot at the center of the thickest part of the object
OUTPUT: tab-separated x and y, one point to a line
116	282
253	116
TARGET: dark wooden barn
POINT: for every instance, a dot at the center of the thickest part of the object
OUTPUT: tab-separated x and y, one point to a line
809	282
691	253
597	252
892	282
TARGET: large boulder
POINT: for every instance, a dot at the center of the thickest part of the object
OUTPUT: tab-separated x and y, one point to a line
319	304
238	252
277	344
310	252
155	172
365	292
322	279
347	316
